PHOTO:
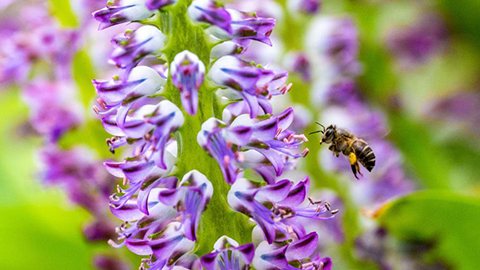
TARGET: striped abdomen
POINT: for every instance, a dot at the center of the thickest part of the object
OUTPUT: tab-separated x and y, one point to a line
364	154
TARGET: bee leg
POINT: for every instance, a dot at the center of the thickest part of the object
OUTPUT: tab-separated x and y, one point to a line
334	150
354	164
358	169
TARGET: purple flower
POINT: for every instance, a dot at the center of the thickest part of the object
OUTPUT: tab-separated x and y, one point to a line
269	139
187	75
334	41
78	173
117	97
228	255
190	200
53	111
106	262
459	108
149	128
210	12
300	64
417	43
298	252
169	225
252	84
247	27
276	208
159	4
135	45
121	11
305	6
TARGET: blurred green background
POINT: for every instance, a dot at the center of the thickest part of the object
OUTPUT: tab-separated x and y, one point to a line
41	230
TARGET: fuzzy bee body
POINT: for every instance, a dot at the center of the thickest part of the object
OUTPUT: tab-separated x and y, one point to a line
343	141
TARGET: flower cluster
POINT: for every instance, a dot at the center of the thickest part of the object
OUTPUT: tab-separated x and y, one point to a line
154	112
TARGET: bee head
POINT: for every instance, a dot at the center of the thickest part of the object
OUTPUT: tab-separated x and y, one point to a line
328	134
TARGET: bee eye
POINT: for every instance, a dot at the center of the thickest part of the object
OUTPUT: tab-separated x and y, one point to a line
328	133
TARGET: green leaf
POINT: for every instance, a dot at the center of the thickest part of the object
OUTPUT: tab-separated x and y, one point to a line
62	10
450	220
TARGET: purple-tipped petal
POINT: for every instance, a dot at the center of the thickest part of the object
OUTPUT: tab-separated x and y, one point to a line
239	135
139	246
209	261
210	12
285	119
266	130
187	75
302	248
128	212
247	251
159	4
269	257
247	27
121	11
298	193
274	192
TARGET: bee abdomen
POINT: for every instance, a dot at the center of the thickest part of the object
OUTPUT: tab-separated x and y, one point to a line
364	154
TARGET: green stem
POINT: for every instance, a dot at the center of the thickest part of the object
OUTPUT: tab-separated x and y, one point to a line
218	219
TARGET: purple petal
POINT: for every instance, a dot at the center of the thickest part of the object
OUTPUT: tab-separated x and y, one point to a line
302	248
274	192
266	130
285	119
247	251
298	194
274	158
128	212
208	261
239	135
138	246
171	196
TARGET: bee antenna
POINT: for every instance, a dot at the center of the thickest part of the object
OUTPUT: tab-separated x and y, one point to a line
315	132
321	126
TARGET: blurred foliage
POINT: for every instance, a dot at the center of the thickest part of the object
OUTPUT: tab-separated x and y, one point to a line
447	219
38	231
62	10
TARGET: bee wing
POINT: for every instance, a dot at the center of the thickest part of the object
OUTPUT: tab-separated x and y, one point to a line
347	135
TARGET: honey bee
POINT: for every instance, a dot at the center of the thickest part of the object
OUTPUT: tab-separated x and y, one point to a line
343	141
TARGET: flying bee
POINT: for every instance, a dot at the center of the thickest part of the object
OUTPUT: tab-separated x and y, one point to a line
343	141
